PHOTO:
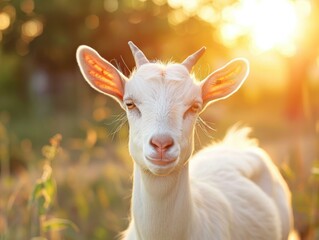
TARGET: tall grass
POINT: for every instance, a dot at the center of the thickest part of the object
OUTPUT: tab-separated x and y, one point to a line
42	198
30	214
79	191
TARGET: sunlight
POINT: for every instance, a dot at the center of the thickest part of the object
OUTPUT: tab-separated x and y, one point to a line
208	14
270	24
263	24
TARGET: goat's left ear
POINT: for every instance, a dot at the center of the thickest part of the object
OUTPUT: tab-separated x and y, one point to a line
100	74
225	81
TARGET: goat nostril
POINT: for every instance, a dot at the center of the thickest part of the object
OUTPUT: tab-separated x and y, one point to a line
161	142
153	143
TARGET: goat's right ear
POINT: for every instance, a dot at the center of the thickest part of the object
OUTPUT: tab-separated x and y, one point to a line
100	74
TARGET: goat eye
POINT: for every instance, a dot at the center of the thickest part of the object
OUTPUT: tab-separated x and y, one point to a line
195	107
130	105
192	110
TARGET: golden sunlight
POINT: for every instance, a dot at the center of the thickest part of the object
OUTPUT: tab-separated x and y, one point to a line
270	24
264	24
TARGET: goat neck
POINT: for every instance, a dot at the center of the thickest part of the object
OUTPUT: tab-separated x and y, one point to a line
161	206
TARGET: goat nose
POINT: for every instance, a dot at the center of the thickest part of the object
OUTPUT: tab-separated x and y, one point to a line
161	142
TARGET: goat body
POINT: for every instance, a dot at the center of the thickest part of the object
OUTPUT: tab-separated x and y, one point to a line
230	190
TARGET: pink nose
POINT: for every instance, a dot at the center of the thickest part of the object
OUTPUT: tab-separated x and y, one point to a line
161	143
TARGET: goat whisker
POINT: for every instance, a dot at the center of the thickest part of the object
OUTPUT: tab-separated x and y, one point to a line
205	127
120	120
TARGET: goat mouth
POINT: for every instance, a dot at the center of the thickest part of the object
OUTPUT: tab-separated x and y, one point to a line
161	162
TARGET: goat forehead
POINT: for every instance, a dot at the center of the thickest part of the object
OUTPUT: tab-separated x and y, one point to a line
157	81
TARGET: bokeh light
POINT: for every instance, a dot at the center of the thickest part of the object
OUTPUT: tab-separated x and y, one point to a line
159	2
92	21
269	24
32	28
208	14
176	17
27	6
4	21
111	5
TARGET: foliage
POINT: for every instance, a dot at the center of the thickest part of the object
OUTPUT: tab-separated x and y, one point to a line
86	206
44	192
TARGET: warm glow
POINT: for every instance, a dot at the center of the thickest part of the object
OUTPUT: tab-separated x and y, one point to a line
175	3
27	6
159	2
111	5
92	21
32	28
176	17
269	23
264	24
189	6
208	14
4	20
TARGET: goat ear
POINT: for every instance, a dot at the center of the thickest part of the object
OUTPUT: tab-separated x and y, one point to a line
225	81
100	74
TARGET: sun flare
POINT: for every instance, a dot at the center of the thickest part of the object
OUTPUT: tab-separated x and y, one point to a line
269	24
264	24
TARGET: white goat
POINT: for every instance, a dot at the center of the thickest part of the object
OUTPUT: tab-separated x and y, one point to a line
230	190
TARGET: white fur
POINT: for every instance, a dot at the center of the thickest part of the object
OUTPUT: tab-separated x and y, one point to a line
229	190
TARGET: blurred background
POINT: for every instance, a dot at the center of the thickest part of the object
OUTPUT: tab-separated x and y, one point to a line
77	184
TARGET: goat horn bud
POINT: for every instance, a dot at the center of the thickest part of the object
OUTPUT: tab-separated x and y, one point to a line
191	60
138	55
